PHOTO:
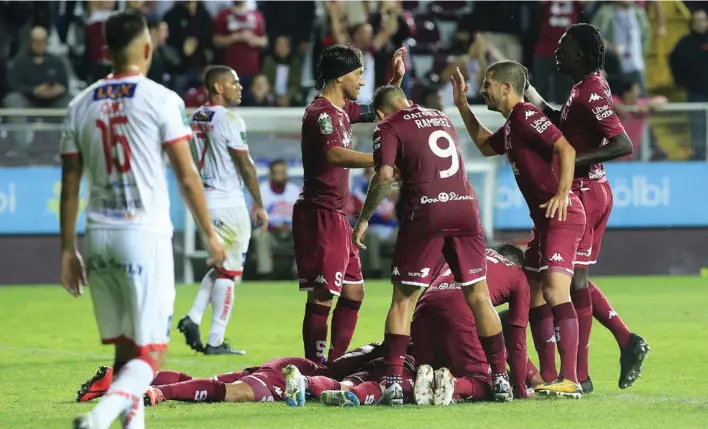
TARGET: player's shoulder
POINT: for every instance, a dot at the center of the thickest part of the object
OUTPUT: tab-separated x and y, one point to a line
526	112
319	105
158	92
594	88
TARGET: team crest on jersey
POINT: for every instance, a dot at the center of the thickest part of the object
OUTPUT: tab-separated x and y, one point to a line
243	137
325	122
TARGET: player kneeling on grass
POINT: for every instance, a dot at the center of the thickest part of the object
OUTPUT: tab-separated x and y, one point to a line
530	141
441	216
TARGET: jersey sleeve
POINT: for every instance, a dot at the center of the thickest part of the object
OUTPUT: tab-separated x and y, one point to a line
236	138
353	111
68	144
174	124
538	129
496	141
385	146
598	107
520	302
326	129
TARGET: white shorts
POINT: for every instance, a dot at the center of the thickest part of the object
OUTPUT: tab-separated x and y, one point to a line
132	285
234	227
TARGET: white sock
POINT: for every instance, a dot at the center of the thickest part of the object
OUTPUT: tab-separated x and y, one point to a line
125	392
222	301
201	302
135	417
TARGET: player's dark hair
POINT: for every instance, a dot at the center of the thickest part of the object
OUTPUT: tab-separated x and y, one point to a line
591	43
510	72
385	95
213	75
512	253
278	161
336	61
122	28
153	23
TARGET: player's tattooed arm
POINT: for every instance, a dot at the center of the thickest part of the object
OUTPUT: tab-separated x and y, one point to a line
71	171
378	188
616	147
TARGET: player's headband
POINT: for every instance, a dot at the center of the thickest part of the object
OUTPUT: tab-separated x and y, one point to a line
333	68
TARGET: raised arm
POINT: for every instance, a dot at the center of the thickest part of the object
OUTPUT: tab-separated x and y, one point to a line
481	135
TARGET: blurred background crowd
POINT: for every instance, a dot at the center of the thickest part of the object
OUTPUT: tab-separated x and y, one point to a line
657	56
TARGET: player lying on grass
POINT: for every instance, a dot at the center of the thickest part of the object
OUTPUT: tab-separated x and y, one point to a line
264	383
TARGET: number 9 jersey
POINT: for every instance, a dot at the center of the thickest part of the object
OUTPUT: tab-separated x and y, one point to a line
119	126
439	198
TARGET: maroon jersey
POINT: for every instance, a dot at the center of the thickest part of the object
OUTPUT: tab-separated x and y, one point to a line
555	16
439	198
325	126
241	56
527	138
588	121
353	361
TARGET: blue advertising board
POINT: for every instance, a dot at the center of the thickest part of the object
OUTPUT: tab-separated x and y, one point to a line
646	195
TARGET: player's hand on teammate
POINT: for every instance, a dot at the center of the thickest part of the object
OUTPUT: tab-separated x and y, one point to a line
216	249
358	234
73	273
398	65
261	220
558	204
460	88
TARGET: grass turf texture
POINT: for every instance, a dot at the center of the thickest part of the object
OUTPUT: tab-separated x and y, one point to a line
49	345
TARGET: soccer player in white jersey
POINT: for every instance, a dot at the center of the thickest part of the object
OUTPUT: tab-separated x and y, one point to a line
116	131
221	154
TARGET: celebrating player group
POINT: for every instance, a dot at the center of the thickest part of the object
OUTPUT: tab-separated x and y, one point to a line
457	346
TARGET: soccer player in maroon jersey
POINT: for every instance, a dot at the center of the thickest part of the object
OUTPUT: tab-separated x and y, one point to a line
531	141
594	130
444	335
441	216
327	263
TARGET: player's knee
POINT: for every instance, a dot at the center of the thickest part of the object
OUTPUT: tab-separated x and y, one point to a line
580	279
320	296
353	292
477	294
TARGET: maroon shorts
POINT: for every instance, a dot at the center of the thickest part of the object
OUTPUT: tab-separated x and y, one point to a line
325	255
415	258
553	244
268	382
596	196
441	341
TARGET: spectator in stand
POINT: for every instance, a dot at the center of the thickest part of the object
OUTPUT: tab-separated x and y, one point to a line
283	70
293	19
259	94
190	28
689	65
197	95
625	27
401	26
430	98
633	111
36	79
241	34
553	18
165	59
362	37
382	225
95	39
279	195
500	23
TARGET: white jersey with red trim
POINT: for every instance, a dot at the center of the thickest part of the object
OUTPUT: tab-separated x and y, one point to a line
217	132
118	126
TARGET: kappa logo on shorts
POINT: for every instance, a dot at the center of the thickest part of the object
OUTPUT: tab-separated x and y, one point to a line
557	257
395	272
321	280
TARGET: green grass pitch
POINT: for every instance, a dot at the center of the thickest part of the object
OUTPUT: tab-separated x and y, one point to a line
49	345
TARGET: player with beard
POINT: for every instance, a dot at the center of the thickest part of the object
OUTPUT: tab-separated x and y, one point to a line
594	130
444	335
327	263
441	216
531	142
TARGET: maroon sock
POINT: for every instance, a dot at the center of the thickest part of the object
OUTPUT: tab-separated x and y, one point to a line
394	353
344	320
531	372
606	315
314	331
472	389
232	377
368	393
566	320
583	307
495	350
170	377
544	340
317	385
196	390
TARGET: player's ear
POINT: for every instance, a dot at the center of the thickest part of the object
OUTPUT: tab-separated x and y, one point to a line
379	116
410	103
146	51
